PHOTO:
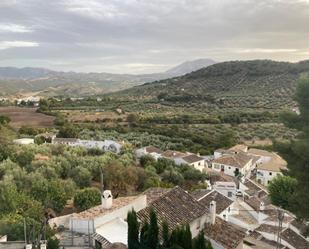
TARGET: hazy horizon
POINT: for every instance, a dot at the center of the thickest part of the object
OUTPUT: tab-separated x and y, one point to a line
135	36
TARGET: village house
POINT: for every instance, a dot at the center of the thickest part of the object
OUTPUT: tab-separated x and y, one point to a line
224	235
104	223
149	150
177	208
233	164
228	189
106	145
224	205
268	166
24	141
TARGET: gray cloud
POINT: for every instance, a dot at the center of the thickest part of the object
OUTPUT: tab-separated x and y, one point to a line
135	36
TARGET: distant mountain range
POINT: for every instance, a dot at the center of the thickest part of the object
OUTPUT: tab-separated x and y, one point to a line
45	82
262	84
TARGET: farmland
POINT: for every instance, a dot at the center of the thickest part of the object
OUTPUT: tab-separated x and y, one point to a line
26	117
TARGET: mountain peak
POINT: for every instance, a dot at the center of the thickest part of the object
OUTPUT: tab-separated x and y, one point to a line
190	66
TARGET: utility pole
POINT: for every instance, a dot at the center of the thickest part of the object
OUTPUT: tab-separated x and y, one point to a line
25	232
280	221
102	182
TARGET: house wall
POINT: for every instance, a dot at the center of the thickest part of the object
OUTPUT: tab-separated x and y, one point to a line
230	170
229	192
197	225
12	245
265	176
137	205
85	225
200	165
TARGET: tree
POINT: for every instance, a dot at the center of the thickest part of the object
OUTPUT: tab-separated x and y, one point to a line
165	234
296	152
53	243
87	198
133	230
200	242
68	131
281	190
81	176
153	232
4	120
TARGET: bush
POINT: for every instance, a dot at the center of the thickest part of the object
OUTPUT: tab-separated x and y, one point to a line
87	198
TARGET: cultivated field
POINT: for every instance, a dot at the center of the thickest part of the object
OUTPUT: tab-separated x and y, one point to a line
26	117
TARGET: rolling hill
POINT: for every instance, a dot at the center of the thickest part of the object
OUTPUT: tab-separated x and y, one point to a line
51	83
253	84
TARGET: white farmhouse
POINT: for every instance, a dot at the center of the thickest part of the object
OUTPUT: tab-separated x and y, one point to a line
234	164
269	165
149	150
106	145
24	141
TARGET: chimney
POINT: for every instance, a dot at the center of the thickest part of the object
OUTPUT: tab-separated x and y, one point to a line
262	206
213	214
107	199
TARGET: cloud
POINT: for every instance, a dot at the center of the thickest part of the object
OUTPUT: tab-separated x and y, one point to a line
149	36
15	28
17	44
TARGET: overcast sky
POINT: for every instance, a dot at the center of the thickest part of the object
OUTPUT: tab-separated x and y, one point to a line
144	36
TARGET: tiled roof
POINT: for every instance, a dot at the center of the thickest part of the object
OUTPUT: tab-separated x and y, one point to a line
173	154
152	149
254	189
199	193
224	233
259	152
268	229
239	147
192	158
154	193
104	242
222	202
276	164
176	207
236	160
254	202
294	239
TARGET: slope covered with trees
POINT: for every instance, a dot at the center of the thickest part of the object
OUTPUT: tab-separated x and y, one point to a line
237	84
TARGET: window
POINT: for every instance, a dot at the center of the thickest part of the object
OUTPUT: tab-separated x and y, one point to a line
199	164
229	194
270	173
229	167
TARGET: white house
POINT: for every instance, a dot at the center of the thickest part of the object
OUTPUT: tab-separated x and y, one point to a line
106	145
177	208
149	150
268	166
24	141
234	164
228	189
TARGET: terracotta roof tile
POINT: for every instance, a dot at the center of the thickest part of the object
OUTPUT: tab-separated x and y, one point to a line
224	233
236	160
176	207
192	158
222	202
294	239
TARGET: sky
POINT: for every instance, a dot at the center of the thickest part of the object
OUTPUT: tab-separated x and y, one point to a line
146	36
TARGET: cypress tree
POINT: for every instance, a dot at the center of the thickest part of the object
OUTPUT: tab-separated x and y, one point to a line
187	237
153	231
200	242
144	234
133	230
165	234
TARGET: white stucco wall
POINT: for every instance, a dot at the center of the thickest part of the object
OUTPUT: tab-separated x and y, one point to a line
265	176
